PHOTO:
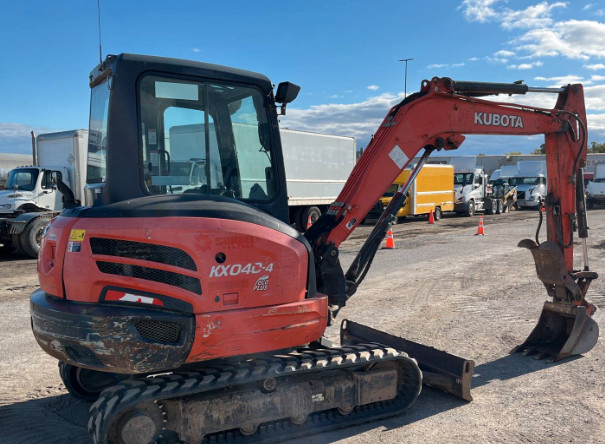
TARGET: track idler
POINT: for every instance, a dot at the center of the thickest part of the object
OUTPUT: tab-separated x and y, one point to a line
565	327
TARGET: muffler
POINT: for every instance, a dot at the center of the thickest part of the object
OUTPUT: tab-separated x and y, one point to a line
563	330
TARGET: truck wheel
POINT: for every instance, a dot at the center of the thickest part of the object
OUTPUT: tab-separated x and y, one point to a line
490	206
6	248
590	204
31	237
437	213
312	212
470	211
86	384
499	207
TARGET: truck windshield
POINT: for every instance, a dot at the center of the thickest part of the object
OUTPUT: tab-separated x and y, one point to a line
97	136
463	178
525	180
205	138
23	179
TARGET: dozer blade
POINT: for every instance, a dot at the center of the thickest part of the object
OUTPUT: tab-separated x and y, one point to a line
440	370
562	331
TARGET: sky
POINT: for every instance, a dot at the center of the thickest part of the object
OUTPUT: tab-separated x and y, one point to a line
345	55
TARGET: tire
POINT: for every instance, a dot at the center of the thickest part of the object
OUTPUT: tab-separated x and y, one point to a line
589	204
437	214
31	237
86	384
470	211
490	207
312	212
500	207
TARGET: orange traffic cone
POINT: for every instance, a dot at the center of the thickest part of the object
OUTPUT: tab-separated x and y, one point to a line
480	230
431	217
390	240
309	223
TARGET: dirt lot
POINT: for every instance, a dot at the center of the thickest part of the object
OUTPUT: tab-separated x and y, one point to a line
474	296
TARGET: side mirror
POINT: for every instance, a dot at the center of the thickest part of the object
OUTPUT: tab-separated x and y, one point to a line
286	93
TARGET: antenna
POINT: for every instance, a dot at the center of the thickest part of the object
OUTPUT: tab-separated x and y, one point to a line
99	17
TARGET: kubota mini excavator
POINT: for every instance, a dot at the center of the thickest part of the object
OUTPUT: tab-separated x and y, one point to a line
180	297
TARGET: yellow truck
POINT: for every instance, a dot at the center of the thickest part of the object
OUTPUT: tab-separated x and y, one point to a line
433	189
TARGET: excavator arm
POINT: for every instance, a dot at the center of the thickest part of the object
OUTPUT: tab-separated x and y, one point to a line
439	117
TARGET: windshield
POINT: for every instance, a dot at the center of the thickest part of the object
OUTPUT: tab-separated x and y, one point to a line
391	190
97	136
22	179
525	180
463	178
599	180
205	138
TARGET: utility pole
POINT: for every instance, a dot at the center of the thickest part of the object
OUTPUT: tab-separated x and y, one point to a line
405	87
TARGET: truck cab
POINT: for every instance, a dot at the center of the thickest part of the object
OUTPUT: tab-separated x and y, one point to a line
595	191
470	186
30	189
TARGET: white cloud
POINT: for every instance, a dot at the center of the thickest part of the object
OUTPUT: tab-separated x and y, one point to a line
530	17
504	53
595	66
561	80
373	87
481	11
457	65
575	39
196	50
16	137
594	97
360	120
597	78
523	66
437	65
473	59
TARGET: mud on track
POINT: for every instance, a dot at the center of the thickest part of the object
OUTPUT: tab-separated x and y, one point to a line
474	296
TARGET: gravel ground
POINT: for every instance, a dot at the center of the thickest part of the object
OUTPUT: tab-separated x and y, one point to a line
473	296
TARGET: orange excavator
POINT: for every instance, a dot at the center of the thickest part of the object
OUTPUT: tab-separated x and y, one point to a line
181	300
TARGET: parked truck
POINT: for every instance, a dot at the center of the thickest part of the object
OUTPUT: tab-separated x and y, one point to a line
432	190
530	181
595	191
472	190
317	167
34	194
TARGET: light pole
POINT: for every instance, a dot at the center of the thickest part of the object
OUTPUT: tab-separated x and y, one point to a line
405	87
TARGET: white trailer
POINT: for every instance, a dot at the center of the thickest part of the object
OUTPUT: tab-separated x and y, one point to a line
317	167
35	194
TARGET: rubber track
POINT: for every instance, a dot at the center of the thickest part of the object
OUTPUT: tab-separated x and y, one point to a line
119	398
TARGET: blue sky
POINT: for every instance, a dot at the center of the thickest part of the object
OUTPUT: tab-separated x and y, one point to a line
344	54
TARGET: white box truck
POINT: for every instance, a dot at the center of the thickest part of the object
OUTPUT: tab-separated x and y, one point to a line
530	181
472	192
34	194
595	191
317	167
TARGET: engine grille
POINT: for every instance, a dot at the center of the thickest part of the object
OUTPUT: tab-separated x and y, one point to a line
142	251
152	274
159	331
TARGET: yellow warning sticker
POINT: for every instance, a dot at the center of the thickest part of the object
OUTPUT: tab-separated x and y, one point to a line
77	235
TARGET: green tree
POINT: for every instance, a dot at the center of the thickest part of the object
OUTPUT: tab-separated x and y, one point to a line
596	147
513	153
541	150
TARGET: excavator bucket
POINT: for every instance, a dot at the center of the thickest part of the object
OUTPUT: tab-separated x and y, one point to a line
564	329
440	370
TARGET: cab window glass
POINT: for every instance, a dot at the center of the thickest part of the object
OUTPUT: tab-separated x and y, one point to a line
204	138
